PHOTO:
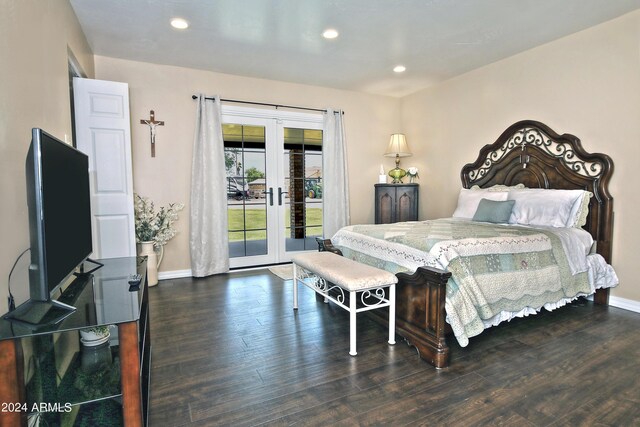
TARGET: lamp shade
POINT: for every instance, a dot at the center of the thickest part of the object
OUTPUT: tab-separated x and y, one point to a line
398	146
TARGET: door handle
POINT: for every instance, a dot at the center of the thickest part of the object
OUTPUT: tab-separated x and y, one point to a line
270	193
280	193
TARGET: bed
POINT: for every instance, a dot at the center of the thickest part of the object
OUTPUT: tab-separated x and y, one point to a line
527	154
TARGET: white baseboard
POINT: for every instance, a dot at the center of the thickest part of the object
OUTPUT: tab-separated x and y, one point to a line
179	274
175	274
624	303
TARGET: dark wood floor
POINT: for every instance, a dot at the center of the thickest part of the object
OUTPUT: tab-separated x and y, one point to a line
230	351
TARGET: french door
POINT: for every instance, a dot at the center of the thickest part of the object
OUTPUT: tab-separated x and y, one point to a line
273	164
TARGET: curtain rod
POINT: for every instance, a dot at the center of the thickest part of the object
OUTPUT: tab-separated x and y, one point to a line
265	104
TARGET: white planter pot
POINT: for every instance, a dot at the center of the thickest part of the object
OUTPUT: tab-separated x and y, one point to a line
90	338
146	249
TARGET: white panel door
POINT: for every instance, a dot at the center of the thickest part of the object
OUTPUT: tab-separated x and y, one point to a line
103	133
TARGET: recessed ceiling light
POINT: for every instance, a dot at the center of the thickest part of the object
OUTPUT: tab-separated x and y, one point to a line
179	23
399	69
330	33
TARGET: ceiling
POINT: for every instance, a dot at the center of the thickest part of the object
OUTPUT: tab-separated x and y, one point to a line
281	39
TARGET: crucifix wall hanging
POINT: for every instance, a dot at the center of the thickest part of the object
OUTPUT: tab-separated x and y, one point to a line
152	123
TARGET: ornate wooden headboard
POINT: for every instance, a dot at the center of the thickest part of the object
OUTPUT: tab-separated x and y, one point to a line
531	153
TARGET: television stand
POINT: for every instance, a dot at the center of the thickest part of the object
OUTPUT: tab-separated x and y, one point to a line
40	313
51	364
84	273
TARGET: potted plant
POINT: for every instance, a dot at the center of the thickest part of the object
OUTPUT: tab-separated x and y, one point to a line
90	337
153	230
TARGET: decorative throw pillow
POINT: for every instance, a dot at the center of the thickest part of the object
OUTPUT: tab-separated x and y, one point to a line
494	211
468	201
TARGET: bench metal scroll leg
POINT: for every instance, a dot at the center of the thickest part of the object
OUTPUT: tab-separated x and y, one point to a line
392	314
352	323
295	287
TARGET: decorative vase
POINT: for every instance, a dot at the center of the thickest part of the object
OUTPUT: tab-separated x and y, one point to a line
146	249
411	179
159	253
95	358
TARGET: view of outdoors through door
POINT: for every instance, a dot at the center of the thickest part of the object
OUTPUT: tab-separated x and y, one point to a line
274	201
245	163
303	179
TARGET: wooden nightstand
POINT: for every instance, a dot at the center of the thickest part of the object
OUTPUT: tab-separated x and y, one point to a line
396	202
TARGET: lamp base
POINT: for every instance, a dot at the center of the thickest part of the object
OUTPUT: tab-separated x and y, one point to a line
397	174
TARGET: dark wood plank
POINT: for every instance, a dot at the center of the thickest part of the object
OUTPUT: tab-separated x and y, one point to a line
229	350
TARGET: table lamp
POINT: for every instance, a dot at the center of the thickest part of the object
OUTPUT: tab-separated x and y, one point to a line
397	148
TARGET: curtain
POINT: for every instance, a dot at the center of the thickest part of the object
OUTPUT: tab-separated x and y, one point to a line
208	221
335	192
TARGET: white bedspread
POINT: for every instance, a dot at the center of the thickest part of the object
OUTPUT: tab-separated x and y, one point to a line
407	246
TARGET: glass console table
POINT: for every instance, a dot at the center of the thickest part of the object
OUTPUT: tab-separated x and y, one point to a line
47	374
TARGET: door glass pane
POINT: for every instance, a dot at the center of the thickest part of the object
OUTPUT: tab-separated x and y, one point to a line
303	181
313	214
245	164
236	244
256	242
310	240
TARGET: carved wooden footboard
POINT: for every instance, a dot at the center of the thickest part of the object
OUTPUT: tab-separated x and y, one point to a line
527	152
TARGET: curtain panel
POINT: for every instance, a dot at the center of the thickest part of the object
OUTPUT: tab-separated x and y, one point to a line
335	194
209	241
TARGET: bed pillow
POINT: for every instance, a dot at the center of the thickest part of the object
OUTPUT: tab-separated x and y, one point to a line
551	208
580	210
468	201
494	211
498	187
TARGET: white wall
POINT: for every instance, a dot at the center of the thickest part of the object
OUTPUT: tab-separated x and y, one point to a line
34	92
586	84
369	120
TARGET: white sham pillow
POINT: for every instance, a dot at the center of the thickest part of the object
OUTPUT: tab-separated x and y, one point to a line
544	207
468	201
580	210
498	187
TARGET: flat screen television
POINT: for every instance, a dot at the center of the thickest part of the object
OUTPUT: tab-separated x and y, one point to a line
58	201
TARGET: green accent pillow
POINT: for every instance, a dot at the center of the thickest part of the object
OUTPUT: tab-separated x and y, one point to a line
494	211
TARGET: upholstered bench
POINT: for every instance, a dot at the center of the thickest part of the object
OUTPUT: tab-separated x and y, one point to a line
330	275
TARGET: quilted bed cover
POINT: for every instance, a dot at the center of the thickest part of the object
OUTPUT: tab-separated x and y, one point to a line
498	271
